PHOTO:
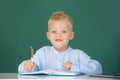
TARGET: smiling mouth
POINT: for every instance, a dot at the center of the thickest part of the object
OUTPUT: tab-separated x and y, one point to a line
58	40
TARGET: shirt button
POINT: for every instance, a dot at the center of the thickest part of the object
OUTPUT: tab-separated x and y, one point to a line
59	60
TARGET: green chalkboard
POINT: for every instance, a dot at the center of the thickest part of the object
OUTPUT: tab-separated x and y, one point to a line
23	23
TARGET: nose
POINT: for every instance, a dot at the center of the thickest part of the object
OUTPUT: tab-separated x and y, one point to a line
58	34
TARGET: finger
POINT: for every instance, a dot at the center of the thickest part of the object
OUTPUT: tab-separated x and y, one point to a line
33	67
65	66
29	65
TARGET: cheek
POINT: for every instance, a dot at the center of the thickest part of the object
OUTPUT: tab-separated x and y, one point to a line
51	37
67	38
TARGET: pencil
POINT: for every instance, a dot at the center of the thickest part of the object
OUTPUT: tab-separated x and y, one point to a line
31	55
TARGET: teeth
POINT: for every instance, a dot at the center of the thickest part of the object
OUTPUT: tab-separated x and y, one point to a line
58	39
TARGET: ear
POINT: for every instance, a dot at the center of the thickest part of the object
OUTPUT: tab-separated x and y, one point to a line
48	35
72	35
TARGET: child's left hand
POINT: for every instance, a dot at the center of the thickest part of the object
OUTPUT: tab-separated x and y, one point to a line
67	65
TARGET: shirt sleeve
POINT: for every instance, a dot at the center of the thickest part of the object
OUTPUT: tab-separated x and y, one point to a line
85	64
21	67
22	70
36	60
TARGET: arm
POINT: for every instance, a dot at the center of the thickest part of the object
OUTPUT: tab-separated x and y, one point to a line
27	66
85	64
37	58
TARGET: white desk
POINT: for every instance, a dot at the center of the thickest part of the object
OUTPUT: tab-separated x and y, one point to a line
45	77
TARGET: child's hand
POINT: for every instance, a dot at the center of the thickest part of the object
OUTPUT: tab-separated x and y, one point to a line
67	65
29	65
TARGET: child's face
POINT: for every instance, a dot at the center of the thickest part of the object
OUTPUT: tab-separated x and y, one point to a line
59	34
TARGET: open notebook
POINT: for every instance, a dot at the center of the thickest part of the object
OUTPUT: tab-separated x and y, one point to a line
52	72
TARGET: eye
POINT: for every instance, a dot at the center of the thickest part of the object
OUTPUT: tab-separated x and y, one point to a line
64	31
53	31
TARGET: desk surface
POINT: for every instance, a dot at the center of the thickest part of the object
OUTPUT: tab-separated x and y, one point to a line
45	77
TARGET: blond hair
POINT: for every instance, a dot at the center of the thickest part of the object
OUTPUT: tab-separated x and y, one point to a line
61	15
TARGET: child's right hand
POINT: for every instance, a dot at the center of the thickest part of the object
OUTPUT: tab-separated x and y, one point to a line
29	65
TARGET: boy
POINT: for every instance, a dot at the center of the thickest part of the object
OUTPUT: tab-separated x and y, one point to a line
61	56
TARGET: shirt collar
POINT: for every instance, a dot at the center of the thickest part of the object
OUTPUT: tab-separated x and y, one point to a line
67	50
